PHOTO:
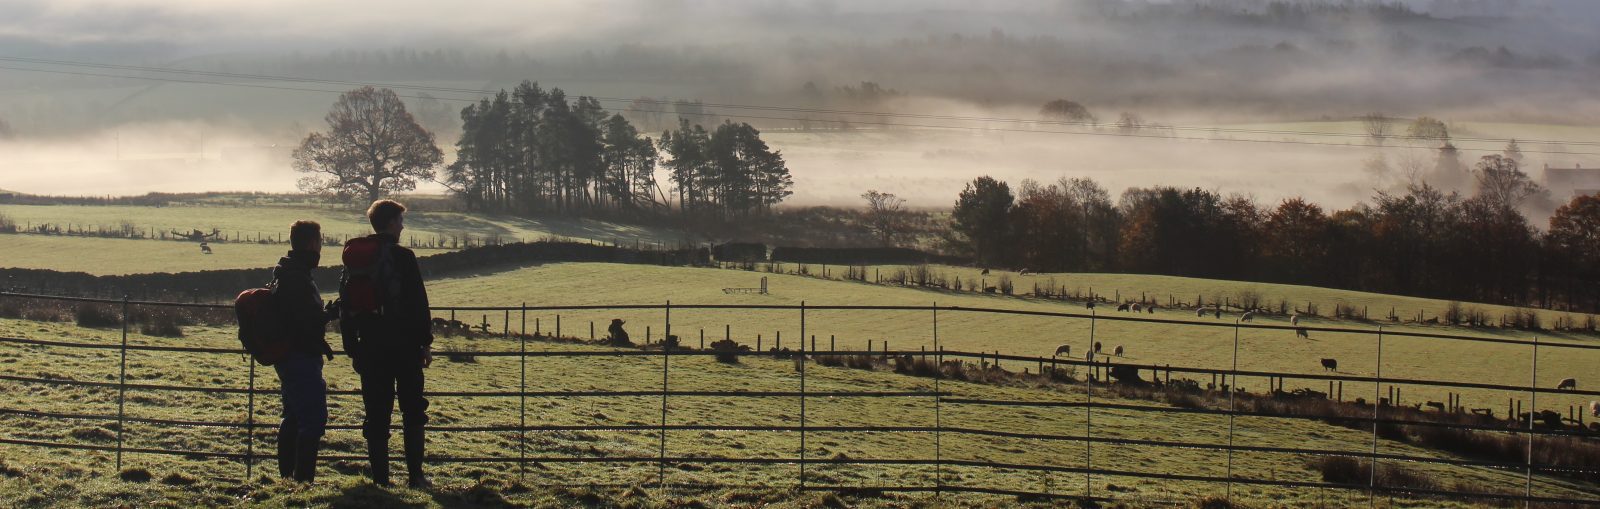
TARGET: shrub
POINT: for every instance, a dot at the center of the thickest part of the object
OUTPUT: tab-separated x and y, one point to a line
1005	284
166	325
6	224
96	316
728	351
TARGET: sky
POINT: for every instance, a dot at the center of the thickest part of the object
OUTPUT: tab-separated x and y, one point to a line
77	135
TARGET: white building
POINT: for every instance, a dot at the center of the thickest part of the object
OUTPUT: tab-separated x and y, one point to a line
1565	183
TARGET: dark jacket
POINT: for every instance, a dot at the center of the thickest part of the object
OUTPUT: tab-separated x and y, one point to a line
300	303
406	328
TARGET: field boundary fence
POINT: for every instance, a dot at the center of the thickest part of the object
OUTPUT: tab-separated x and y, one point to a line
1097	378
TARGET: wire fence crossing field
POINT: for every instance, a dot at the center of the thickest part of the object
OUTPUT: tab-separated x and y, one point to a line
1099	370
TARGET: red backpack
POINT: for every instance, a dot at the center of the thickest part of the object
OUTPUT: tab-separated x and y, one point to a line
260	328
369	283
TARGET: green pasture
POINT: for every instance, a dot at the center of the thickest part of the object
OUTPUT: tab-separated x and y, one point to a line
1144	343
84	477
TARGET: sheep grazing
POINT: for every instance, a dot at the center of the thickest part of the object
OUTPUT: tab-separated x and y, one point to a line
1064	350
1150	309
984	273
1330	365
1137	307
988	289
1568	383
1089	305
1200	312
1096	347
1247	316
1436	405
1024	272
1124	306
205	248
1118	351
1301	332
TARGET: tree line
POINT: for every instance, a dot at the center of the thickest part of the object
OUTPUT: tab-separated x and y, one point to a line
534	151
1422	241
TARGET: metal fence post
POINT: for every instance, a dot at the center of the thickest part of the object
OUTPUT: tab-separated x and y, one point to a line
802	395
1533	408
1372	473
938	410
122	381
1232	410
1088	413
666	356
250	423
522	396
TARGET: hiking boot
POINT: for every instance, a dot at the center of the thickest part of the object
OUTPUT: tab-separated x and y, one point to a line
305	460
378	456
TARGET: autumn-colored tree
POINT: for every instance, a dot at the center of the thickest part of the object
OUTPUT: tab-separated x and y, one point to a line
373	147
1574	244
1297	245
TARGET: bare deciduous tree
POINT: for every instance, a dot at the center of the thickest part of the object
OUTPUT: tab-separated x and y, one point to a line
885	215
1377	125
372	147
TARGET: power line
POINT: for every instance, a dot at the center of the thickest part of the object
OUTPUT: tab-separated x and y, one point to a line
803	119
791	109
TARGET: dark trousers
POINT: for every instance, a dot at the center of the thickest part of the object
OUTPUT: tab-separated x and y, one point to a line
305	415
382	382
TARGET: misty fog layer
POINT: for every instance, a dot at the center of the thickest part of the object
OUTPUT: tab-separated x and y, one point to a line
1181	62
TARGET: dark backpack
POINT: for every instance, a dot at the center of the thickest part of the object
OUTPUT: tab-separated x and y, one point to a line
369	283
260	328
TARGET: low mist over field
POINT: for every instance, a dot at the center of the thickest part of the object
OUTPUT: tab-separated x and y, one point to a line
805	73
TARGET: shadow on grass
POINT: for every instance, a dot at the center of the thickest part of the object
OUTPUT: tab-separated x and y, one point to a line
476	496
369	495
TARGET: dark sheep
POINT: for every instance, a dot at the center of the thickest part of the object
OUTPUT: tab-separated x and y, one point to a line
1137	307
1064	350
1568	383
1124	306
1089	304
1096	347
1330	365
1302	332
1150	309
1219	311
1247	316
1118	351
1200	312
618	335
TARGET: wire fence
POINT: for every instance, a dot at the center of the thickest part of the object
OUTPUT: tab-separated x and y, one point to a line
1100	372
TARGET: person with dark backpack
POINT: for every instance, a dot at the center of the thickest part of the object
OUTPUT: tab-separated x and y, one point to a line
302	321
388	334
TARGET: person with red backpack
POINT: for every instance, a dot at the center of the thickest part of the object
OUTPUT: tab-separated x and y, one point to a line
303	321
388	334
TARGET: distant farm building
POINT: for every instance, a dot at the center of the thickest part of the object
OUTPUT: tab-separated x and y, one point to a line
1568	182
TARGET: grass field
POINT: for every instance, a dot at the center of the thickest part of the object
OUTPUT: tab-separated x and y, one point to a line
103	256
38	477
1204	347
